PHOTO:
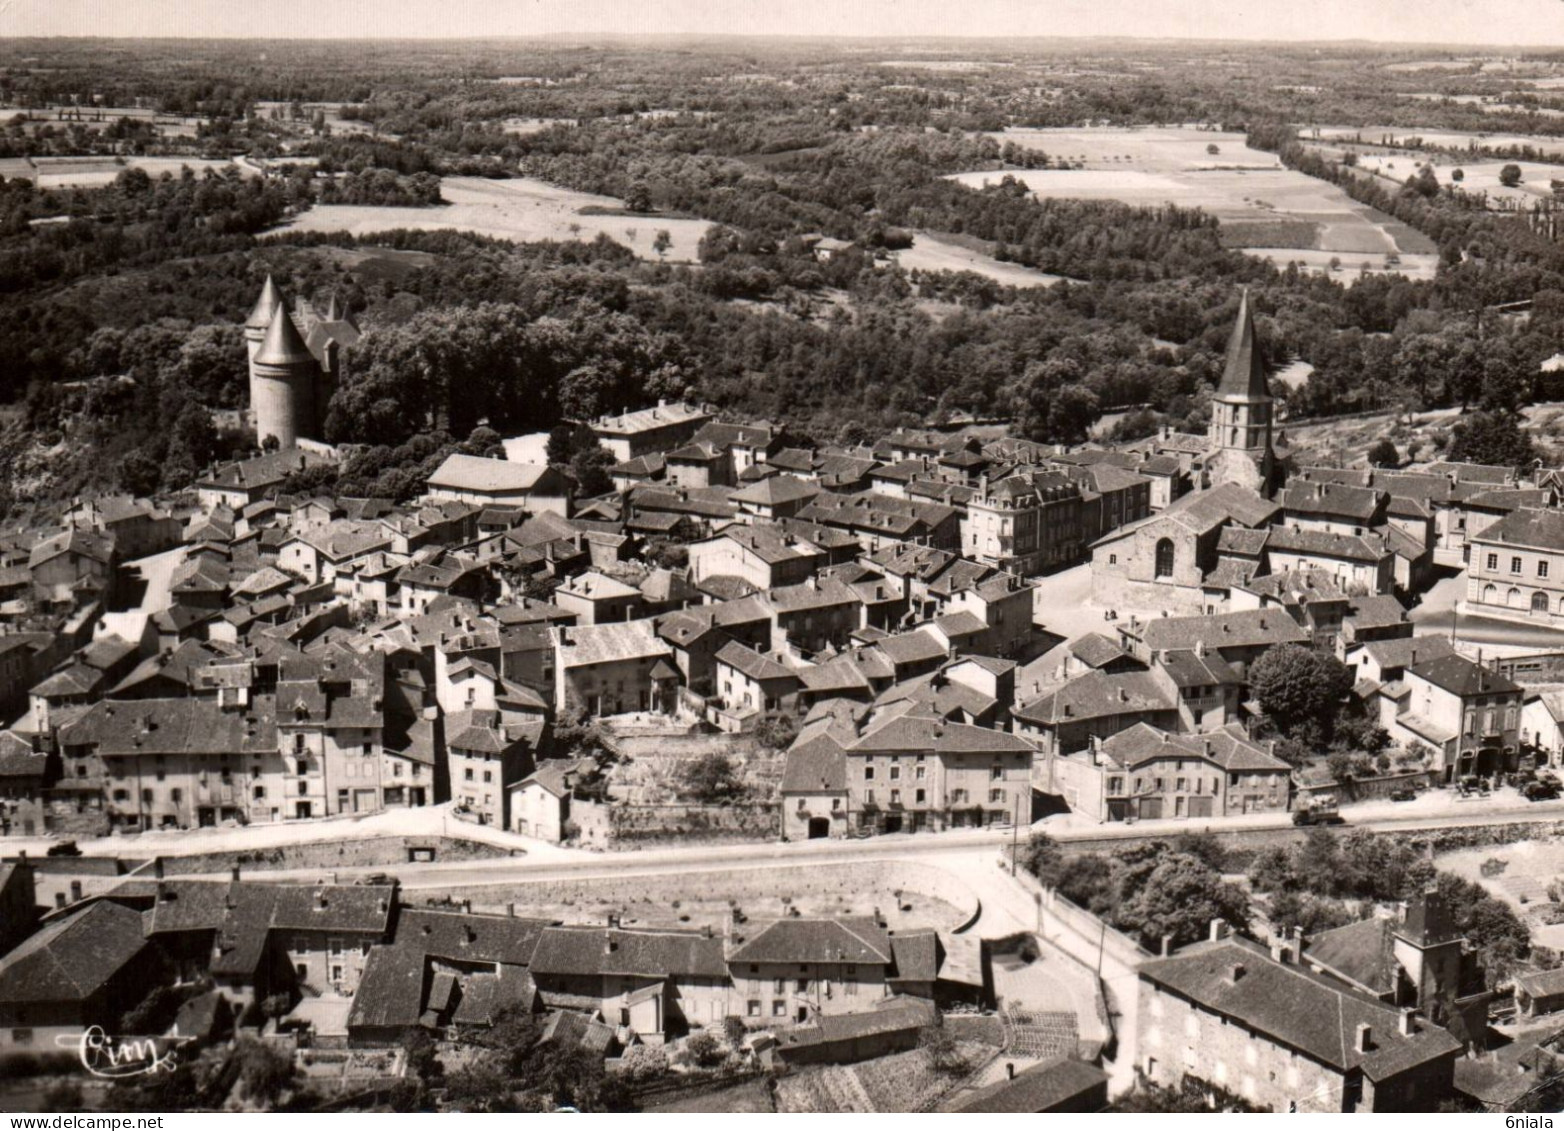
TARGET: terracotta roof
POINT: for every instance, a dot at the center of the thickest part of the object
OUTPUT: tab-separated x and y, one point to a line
1460	676
571	950
1047	1086
475	473
856	940
72	959
1228	748
1531	528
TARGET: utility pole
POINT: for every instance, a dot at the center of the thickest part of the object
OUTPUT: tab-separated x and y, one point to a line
1015	832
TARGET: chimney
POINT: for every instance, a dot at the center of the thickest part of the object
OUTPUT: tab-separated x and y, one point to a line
1297	945
1218	929
1167	945
466	907
613	920
235	873
1405	1022
1235	973
157	867
1010	1070
1365	1038
510	910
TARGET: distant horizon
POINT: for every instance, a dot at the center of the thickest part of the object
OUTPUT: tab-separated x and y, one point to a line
1442	25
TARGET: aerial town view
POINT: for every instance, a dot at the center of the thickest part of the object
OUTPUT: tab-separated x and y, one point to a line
814	571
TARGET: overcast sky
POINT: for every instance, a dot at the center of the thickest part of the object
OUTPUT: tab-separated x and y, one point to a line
1476	22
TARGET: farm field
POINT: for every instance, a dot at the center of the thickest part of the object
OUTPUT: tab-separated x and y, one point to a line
930	253
1450	139
1478	176
523	210
95	172
1271	213
1154	149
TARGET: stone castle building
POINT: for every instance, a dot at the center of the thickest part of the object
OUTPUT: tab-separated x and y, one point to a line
295	362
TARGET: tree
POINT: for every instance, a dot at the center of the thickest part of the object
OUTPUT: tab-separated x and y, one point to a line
1458	175
1510	175
264	1071
639	197
705	1050
1493	438
711	779
1043	857
1180	898
1294	683
944	1053
1384	454
776	731
1213	149
662	242
589	468
1425	182
481	1086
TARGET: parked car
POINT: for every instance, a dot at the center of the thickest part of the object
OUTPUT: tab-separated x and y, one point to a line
1405	793
1318	817
1539	791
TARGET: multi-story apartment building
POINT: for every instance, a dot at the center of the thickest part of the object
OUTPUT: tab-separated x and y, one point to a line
1516	567
1024	524
1148	773
1468	714
902	770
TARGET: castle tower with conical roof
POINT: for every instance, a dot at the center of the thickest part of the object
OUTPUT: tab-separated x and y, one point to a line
283	376
1241	413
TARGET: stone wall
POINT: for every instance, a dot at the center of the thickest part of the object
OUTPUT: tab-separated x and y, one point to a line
332	854
740	885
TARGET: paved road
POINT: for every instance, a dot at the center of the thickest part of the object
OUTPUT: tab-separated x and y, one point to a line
954	850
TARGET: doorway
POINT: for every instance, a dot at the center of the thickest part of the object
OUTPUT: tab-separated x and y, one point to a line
819	828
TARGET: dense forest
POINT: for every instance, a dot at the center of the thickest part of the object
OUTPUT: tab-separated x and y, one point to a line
121	297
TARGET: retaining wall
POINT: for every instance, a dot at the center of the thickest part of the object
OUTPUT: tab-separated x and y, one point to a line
741	885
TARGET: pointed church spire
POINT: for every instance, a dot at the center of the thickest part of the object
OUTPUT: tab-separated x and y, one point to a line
1244	374
283	345
265	306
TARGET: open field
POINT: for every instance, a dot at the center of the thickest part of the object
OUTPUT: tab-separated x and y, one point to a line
1152	149
1446	139
523	210
96	172
1478	176
931	253
1270	212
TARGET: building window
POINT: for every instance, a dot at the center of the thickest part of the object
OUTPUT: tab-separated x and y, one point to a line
779	986
895	773
1493	561
1164	563
1515	565
921	796
779	1008
467	773
868	773
753	1008
996	795
260	793
996	773
895	797
1542	569
917	772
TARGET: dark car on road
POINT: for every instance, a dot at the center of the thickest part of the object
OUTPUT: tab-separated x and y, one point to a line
1318	817
1405	793
1539	791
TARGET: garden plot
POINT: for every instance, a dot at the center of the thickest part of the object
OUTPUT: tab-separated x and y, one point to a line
523	210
